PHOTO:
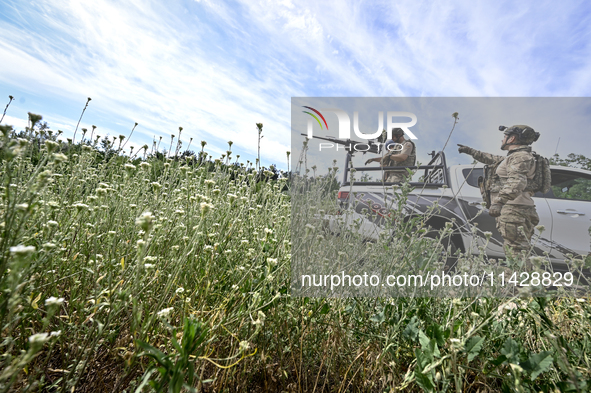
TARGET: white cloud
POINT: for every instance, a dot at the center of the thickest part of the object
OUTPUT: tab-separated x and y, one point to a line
217	68
17	123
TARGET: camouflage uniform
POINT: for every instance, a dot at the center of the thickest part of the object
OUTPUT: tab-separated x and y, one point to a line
511	174
398	176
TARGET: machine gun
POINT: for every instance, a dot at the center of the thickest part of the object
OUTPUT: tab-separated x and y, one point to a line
371	146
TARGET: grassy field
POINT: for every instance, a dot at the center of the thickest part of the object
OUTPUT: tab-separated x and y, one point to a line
168	274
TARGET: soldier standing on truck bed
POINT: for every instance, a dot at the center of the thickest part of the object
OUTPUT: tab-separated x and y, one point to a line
507	185
403	153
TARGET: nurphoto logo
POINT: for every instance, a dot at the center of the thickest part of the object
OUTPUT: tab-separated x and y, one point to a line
345	123
344	130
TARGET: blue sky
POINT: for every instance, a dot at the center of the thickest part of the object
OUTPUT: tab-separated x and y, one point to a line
217	68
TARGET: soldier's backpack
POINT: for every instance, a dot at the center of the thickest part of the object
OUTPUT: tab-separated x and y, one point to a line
542	179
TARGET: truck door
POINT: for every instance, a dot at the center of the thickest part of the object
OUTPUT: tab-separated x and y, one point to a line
570	204
470	199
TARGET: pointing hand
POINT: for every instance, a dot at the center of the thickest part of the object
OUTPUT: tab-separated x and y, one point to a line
464	149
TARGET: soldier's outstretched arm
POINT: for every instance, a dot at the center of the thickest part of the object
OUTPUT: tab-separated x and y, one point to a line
517	169
485	158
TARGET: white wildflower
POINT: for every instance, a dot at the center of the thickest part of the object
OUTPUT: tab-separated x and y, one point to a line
205	207
48	246
39	338
244	345
22	251
164	313
80	206
22	206
59	157
54	301
145	221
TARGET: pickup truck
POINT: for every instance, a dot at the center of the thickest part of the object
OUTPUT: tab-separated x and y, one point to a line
565	211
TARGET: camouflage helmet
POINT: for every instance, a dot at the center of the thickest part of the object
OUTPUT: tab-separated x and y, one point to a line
525	134
397	131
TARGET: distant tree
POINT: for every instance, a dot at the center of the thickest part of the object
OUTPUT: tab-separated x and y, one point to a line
579	188
572	160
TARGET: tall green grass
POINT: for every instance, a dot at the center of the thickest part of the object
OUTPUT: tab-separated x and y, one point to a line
174	275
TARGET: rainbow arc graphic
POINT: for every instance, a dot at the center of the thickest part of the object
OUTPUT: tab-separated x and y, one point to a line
314	116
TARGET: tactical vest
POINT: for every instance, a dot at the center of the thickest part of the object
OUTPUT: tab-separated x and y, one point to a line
489	183
410	160
492	183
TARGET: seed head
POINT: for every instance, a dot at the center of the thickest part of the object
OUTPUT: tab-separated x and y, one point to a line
34	119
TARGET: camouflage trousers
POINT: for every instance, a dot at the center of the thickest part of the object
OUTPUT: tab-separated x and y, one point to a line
395	177
516	225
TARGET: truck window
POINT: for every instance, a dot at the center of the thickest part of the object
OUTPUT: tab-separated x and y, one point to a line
571	185
472	174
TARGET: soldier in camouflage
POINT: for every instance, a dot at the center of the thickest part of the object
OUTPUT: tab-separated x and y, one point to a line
511	203
403	153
